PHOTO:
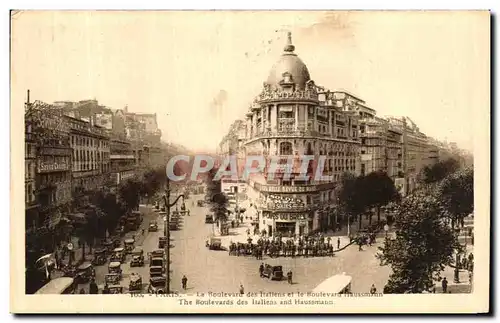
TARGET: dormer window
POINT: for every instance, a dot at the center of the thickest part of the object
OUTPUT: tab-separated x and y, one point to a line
287	78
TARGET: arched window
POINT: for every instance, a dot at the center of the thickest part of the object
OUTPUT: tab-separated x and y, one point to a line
286	148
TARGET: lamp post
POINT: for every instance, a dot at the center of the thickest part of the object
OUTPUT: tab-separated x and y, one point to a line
456	275
166	229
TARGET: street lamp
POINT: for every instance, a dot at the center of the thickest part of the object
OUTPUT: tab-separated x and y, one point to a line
166	229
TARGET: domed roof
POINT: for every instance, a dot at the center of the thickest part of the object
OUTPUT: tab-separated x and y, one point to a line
289	63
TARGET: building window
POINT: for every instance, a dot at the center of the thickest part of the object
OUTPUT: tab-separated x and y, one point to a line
286	148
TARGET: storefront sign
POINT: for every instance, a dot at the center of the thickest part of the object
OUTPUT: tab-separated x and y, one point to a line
51	166
286	216
288	189
284	202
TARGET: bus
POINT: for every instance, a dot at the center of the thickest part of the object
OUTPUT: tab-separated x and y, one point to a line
338	284
63	285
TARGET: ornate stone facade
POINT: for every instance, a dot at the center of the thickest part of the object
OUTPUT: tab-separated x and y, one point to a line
290	118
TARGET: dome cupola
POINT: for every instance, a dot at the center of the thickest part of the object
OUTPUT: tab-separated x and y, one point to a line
289	70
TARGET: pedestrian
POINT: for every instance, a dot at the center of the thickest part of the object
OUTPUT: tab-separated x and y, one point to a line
290	277
444	284
373	290
184	282
56	258
93	289
242	290
105	290
338	243
82	291
261	269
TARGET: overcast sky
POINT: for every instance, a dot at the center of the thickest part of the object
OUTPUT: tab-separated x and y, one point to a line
200	70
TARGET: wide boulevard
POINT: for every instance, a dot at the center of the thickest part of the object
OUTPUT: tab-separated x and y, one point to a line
216	271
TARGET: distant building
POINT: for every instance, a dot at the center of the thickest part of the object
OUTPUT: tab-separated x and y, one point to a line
122	161
91	161
47	143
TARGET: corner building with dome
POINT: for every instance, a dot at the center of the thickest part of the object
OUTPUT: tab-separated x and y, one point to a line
293	117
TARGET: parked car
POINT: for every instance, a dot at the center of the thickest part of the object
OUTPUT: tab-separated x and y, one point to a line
157	285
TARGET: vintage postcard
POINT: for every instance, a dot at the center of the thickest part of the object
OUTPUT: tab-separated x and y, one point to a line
250	162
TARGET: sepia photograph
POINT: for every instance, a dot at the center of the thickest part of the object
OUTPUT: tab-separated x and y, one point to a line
250	161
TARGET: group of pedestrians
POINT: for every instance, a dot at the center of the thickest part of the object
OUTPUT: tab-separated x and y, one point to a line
307	246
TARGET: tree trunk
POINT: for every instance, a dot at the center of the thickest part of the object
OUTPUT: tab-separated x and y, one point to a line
83	251
360	220
378	213
370	218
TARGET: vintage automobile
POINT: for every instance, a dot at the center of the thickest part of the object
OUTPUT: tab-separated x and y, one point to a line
162	241
111	279
214	243
156	271
173	226
137	257
83	273
129	245
116	242
115	289
108	245
153	226
99	257
209	218
158	253
157	285
118	255
157	262
273	272
135	282
115	268
200	203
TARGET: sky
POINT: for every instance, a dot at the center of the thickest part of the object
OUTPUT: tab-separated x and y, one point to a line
199	71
